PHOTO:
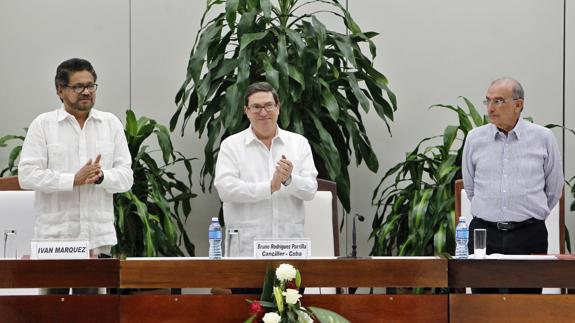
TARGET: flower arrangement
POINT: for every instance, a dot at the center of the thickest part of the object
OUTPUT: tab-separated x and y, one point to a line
280	300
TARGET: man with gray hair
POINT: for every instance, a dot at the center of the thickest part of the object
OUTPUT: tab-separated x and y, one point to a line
512	175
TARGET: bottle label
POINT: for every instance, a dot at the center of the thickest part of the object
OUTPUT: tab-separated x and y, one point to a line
462	235
215	235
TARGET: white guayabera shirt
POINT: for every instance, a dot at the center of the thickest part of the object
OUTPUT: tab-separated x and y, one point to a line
244	171
55	148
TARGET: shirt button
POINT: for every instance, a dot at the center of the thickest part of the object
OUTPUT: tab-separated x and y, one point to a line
504	191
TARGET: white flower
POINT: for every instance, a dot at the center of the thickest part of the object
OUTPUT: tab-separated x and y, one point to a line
272	317
285	272
292	295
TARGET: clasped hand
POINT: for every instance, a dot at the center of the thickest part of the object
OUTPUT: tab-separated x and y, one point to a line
89	173
283	171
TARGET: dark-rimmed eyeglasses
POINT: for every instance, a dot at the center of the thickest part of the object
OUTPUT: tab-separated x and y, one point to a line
256	108
79	88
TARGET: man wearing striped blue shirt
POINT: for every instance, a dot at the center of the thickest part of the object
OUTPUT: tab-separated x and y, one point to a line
512	175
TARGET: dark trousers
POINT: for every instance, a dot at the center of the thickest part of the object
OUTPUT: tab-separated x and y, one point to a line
525	240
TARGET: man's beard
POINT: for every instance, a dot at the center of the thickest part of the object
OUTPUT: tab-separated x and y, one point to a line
83	106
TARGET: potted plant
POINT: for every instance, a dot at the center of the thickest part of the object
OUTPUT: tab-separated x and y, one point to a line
415	213
324	79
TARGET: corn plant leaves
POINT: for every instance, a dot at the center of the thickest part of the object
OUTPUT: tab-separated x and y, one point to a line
414	212
321	77
150	217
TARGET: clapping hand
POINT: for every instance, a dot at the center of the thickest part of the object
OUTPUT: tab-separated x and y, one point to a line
282	173
284	168
89	173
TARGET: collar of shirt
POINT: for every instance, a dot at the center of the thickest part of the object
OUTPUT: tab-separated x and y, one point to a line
251	136
63	114
517	130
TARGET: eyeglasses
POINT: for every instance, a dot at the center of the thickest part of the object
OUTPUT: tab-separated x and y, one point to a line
256	108
497	101
79	88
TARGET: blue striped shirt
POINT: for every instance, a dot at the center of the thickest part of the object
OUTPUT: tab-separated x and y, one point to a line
514	177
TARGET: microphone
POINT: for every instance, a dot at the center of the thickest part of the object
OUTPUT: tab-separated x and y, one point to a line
354	234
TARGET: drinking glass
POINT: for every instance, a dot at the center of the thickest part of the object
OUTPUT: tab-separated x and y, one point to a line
479	243
10	249
232	245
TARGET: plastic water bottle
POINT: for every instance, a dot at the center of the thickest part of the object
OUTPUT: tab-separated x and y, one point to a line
461	238
215	238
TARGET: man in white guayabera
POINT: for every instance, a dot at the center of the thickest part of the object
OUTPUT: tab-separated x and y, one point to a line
76	158
263	174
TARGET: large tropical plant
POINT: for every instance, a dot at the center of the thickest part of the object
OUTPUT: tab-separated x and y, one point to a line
324	79
150	217
414	215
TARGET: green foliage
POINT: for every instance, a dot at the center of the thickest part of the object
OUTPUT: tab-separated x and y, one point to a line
324	80
150	217
12	168
415	213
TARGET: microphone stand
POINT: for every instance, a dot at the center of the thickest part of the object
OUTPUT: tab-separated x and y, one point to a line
352	290
354	236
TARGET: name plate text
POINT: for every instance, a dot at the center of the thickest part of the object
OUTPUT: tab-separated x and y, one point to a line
282	248
60	249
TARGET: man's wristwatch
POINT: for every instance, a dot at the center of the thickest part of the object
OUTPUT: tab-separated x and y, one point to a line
100	180
287	181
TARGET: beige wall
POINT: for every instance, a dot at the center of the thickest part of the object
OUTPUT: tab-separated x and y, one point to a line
431	50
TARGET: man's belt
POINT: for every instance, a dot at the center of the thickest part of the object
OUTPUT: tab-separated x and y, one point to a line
509	225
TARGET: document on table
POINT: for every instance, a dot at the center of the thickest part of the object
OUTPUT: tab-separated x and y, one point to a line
499	256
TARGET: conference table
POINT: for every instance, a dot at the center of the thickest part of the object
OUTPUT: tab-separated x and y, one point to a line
433	274
59	273
530	272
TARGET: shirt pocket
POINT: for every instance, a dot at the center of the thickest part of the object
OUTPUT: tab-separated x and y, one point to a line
57	157
293	226
251	173
529	173
106	149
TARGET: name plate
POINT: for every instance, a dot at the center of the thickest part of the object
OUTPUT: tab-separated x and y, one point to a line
60	249
282	248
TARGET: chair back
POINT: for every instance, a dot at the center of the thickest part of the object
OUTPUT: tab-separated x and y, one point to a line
18	213
321	221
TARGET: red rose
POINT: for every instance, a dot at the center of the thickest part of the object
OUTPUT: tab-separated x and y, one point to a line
291	284
257	309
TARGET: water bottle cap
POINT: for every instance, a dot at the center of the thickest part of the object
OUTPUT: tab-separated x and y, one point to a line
215	219
462	218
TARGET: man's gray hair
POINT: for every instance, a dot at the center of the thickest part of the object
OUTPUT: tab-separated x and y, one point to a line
517	89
